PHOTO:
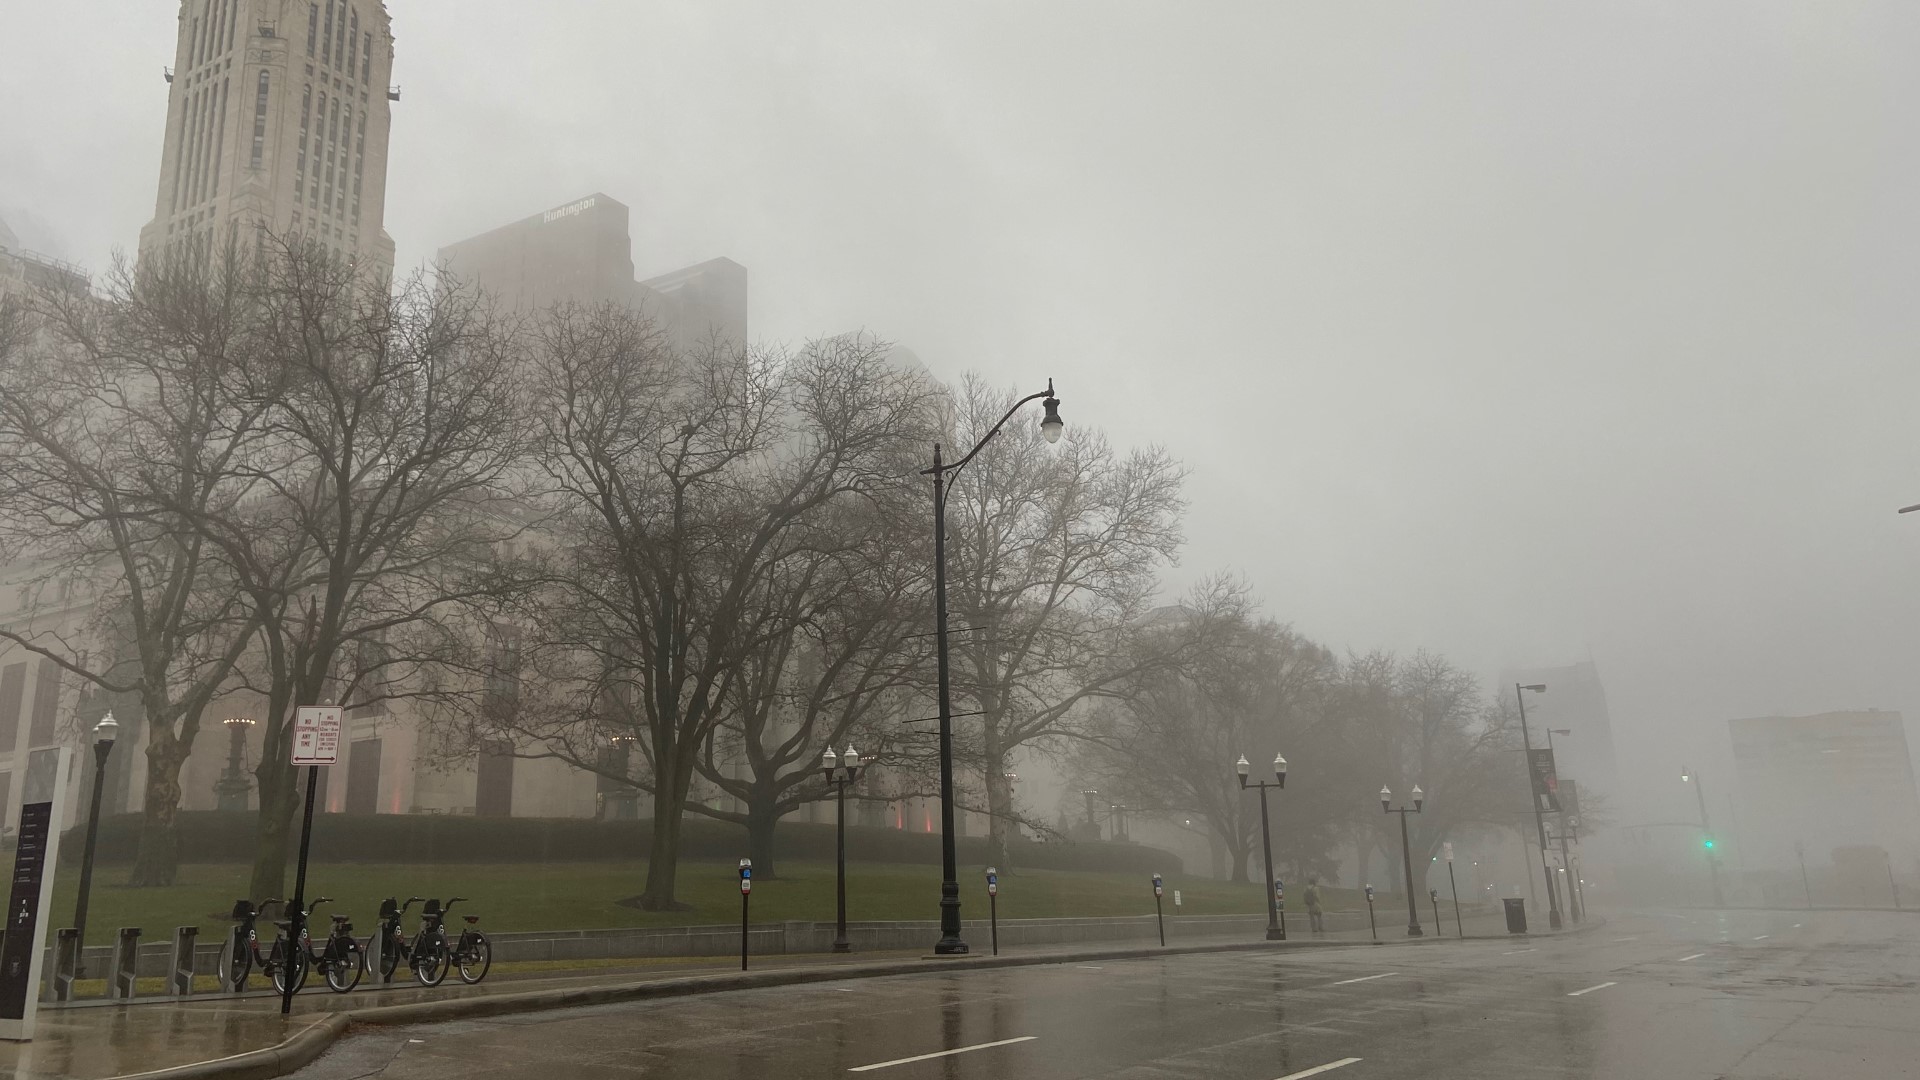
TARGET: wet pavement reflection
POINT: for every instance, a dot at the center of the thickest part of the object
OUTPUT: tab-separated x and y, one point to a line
1651	994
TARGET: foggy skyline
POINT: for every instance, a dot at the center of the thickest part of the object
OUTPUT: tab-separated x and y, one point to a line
1523	334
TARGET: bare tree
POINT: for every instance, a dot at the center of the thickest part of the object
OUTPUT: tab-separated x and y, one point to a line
691	489
117	435
384	484
1052	555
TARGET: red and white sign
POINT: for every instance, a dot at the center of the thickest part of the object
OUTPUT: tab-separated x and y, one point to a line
316	735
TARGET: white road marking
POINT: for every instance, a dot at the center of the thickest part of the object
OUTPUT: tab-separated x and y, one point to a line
1364	978
1515	952
1618	940
1796	926
1762	937
1695	956
941	1054
1091	967
1318	1069
1591	989
841	989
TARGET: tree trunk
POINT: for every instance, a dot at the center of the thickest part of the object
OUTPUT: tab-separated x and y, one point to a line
157	861
663	849
1217	856
762	816
999	805
279	796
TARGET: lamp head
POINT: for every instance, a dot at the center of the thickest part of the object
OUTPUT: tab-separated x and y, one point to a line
1386	797
852	758
829	761
1418	797
1243	767
1051	425
1538	688
1280	769
238	721
105	730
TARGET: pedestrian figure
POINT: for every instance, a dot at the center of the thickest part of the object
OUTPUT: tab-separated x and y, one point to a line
1313	906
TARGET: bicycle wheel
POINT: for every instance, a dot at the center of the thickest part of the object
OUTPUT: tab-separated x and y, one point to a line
476	956
239	960
430	961
287	966
343	965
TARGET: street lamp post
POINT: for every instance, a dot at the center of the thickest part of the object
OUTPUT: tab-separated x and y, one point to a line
1276	926
950	943
1539	817
840	771
1406	850
232	787
103	733
1688	776
1566	856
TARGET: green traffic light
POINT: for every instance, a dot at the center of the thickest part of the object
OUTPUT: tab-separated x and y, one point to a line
1708	841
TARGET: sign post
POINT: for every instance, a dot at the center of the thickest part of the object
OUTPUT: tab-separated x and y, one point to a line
316	742
1280	905
1371	926
24	945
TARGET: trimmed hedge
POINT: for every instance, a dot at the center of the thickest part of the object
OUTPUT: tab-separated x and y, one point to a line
209	836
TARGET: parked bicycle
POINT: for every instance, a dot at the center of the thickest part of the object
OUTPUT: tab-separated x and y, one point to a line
389	940
431	956
243	949
339	961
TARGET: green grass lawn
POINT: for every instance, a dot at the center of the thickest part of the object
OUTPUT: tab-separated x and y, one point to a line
570	896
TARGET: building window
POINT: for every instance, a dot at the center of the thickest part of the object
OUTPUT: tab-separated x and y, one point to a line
326	38
340	38
366	56
313	27
260	121
353	41
220	137
306	106
333	136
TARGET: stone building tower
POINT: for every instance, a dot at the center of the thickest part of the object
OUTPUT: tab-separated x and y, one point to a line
277	117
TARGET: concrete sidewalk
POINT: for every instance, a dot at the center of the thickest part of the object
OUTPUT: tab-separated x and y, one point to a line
245	1036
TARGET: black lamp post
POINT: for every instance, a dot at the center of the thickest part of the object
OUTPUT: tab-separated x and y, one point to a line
103	733
942	473
841	771
1276	926
1406	850
1688	776
232	788
1539	816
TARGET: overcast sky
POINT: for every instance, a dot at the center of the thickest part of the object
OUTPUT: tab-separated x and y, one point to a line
1526	332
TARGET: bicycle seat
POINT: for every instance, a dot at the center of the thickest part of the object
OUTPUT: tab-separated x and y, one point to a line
471	918
284	924
338	919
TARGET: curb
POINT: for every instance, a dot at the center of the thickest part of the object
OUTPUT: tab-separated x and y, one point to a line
302	1048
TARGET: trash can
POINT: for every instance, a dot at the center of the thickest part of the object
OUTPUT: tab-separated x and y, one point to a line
1516	914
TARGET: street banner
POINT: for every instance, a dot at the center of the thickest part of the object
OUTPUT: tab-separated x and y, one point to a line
1546	786
316	735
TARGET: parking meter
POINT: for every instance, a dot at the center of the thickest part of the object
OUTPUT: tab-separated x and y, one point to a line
746	892
993	882
1156	885
1369	894
993	906
746	876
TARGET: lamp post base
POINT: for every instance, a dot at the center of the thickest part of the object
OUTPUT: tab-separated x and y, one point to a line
950	947
1553	920
842	945
1414	930
1274	933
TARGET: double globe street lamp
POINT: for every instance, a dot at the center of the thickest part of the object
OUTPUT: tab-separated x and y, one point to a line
103	736
841	771
1406	850
943	472
1276	926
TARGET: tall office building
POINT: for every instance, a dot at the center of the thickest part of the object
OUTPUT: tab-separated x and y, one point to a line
1573	701
1833	780
581	251
277	118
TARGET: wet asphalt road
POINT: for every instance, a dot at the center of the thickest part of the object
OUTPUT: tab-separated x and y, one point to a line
1749	995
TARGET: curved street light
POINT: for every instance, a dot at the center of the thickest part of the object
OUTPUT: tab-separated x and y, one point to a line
1276	916
1051	426
1406	850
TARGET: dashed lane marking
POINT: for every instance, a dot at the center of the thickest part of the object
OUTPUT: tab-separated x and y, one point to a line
1695	956
1591	989
1515	952
1364	978
1318	1069
1762	937
941	1054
